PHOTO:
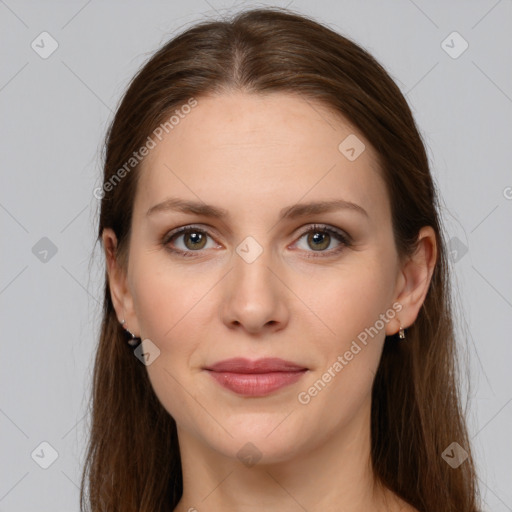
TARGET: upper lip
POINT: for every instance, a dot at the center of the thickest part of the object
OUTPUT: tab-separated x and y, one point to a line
265	365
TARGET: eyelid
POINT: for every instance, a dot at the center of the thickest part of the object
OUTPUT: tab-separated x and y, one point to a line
328	228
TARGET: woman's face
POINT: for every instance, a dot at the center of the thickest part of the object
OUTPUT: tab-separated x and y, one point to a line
269	279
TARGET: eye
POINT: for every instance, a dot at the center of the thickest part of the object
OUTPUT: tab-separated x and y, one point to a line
190	239
321	237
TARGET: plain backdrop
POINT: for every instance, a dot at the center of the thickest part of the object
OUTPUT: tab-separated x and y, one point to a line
452	60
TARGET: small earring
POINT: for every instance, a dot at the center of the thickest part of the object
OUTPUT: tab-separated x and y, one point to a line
401	333
132	340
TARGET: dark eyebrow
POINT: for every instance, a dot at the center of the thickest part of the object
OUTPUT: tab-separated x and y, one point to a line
290	212
301	210
184	206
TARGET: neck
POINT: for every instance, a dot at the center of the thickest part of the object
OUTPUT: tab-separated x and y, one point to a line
333	476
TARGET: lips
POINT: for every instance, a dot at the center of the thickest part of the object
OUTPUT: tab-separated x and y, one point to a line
267	365
255	378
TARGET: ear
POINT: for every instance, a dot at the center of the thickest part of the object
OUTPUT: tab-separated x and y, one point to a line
118	283
414	280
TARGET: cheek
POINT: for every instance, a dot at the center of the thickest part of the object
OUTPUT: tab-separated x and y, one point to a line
349	300
355	307
341	385
167	300
168	307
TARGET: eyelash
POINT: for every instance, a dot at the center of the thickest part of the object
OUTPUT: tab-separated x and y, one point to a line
342	237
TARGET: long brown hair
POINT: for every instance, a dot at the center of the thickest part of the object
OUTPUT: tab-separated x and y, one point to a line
133	459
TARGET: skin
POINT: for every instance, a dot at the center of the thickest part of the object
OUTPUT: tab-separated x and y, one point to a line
254	155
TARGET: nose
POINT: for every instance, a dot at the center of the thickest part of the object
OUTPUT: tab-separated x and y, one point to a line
255	298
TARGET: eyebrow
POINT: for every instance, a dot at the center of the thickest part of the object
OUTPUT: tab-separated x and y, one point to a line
289	212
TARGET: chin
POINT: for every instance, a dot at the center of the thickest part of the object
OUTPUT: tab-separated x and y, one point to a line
262	442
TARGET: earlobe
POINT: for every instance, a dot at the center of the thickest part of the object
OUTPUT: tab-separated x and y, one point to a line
117	279
416	276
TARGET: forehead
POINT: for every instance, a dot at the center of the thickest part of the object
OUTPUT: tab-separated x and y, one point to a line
245	149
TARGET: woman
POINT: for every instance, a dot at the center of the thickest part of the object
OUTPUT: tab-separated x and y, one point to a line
277	332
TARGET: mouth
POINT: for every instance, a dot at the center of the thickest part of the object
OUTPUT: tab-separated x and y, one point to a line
255	378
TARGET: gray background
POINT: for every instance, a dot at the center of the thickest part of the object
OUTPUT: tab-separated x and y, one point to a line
54	113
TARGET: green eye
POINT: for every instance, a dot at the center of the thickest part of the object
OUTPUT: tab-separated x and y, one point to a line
193	239
319	238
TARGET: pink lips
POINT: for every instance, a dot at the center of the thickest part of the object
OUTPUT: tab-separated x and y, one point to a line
255	378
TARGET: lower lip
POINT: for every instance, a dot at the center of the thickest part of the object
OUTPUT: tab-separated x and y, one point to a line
256	384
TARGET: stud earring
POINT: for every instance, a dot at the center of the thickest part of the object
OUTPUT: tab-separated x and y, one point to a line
401	333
